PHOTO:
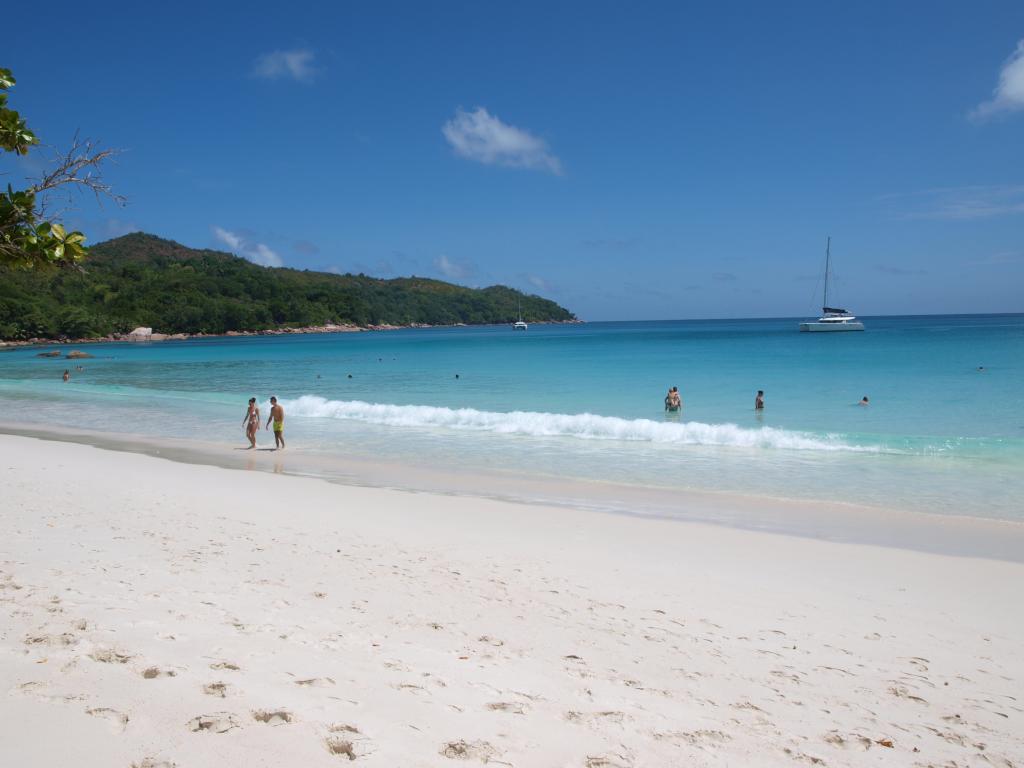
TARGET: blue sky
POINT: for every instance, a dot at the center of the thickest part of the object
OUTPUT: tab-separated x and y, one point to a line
631	161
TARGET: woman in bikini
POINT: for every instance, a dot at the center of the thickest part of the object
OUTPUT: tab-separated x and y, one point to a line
252	422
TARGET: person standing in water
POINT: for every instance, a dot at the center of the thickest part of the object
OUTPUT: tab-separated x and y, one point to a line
67	375
759	400
252	422
673	402
276	416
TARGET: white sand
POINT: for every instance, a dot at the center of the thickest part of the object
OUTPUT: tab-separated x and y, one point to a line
163	614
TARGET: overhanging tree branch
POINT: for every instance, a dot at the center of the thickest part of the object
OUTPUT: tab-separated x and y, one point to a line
29	236
80	167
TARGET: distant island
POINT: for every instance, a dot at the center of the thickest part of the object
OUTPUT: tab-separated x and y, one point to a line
141	280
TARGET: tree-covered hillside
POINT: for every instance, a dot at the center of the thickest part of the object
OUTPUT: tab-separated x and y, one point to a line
143	280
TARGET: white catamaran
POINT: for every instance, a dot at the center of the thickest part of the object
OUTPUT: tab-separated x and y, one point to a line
520	324
832	319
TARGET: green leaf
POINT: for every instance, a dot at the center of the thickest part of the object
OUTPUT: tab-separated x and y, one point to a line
26	242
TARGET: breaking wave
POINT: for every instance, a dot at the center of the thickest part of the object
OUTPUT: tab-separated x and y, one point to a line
583	426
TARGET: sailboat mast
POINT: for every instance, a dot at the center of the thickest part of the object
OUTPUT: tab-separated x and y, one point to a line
828	258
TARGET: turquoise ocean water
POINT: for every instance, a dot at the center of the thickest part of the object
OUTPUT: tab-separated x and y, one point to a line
585	402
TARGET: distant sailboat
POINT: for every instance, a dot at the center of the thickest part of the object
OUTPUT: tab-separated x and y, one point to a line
520	324
832	319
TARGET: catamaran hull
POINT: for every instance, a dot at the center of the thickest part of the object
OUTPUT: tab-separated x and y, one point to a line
812	327
832	318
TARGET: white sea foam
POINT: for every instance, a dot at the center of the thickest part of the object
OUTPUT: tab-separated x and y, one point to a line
585	426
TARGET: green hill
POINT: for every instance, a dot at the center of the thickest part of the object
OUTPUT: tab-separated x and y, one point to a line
143	280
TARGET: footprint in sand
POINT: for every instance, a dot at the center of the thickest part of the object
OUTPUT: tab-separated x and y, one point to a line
316	682
37	689
218	722
468	750
595	718
703	738
902	692
225	665
746	705
804	757
918	662
851	740
110	656
337	745
152	762
411	688
608	761
347	741
61	641
216	689
150	673
118	720
513	707
272	716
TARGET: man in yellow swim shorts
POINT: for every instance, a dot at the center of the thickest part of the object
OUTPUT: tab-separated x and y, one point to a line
276	416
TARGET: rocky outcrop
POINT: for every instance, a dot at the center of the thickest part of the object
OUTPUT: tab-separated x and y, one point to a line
141	334
146	334
77	355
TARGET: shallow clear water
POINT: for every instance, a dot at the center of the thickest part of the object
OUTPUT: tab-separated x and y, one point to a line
585	401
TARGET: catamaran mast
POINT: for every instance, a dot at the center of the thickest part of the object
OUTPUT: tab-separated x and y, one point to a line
828	256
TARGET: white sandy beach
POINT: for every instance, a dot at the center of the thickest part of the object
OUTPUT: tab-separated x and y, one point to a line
159	614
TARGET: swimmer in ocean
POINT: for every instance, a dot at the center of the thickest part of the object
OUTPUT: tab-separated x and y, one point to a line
673	402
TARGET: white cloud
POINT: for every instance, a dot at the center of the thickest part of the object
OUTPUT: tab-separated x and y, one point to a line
280	65
230	239
535	282
539	282
306	248
452	269
118	227
1000	258
1009	93
261	254
961	203
480	136
257	253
